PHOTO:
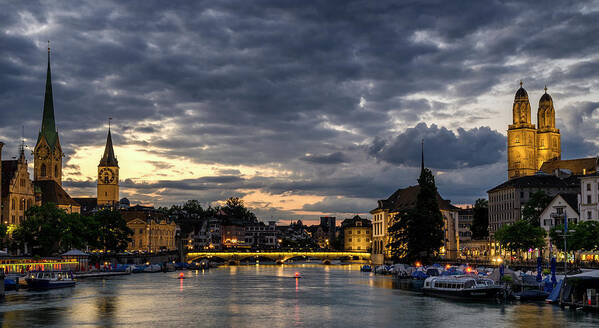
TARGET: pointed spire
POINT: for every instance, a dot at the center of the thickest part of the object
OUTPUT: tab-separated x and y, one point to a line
109	159
22	147
48	129
422	159
545	88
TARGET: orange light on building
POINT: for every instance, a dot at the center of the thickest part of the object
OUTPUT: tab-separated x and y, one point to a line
418	264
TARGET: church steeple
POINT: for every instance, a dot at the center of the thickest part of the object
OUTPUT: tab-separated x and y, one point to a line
48	129
108	175
109	159
48	152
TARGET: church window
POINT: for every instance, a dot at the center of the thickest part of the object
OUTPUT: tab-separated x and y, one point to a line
554	142
56	170
13	204
43	170
22	204
517	140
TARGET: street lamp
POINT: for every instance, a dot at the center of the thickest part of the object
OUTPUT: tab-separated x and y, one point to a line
565	236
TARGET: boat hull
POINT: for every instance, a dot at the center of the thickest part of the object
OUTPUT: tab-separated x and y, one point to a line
488	293
44	284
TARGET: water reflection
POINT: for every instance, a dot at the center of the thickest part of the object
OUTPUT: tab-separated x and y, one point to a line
266	295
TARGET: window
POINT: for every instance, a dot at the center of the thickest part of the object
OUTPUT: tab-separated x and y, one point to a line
589	215
55	170
560	210
349	240
43	170
13	204
22	204
588	199
522	194
588	187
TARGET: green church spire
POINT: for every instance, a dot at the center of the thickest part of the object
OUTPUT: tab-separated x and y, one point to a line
48	129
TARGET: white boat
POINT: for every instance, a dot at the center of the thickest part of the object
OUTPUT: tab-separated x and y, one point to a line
463	287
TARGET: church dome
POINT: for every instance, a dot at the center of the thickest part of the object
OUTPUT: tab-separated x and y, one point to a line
545	98
521	93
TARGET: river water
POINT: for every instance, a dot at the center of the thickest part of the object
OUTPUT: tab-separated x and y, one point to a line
265	296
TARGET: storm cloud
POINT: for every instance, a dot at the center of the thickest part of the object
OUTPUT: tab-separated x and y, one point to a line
321	98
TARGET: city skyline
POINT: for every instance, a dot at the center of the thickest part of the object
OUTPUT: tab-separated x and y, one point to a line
296	122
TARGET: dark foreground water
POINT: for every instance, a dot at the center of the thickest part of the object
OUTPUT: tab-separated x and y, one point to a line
265	296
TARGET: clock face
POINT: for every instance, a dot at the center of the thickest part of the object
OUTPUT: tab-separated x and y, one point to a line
106	176
57	154
43	152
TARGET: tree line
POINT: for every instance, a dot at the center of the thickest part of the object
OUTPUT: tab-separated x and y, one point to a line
48	230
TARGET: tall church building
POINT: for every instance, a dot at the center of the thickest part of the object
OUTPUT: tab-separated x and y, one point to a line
48	153
108	177
47	161
529	147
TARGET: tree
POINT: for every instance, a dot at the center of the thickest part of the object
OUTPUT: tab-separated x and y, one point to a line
111	230
520	236
480	219
235	207
584	238
42	231
417	234
534	207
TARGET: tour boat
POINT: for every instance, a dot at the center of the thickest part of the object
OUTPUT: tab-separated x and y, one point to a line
44	280
463	287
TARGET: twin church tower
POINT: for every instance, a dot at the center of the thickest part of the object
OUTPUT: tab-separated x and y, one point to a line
529	147
48	155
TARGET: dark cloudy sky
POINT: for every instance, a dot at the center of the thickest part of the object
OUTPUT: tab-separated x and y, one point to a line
300	107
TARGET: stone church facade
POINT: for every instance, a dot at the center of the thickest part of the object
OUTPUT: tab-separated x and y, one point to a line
528	147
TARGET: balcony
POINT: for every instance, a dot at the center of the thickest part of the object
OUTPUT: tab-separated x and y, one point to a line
557	215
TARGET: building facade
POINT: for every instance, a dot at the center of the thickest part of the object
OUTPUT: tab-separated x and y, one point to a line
589	197
17	194
465	218
561	206
507	199
152	230
261	235
404	199
529	147
357	234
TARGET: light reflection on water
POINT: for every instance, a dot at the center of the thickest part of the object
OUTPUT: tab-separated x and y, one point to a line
265	295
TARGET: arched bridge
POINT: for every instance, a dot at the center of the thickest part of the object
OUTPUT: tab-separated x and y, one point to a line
278	256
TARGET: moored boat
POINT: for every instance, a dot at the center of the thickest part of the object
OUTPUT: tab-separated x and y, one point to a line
44	280
461	287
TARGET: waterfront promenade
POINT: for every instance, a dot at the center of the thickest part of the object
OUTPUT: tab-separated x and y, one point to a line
266	295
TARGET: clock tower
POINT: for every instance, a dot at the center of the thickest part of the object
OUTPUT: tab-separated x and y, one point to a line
108	177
